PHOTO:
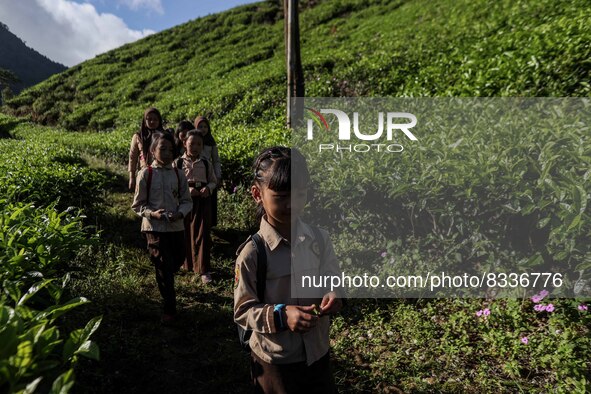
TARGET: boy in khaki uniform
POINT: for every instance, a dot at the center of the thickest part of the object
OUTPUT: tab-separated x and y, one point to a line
290	338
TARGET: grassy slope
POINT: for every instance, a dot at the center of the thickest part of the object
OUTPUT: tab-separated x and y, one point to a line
231	65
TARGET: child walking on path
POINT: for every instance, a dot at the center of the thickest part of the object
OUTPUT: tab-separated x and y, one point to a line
290	335
210	152
162	199
202	182
180	135
139	151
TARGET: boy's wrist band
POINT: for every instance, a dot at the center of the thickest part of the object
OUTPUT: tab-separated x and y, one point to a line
279	316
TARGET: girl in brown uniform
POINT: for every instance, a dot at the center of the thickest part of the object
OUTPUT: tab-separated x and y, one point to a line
162	199
202	182
211	153
139	151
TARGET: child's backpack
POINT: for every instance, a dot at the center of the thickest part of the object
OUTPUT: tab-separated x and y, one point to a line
259	243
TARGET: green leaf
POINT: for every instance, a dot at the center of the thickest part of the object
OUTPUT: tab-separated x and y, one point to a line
575	222
31	387
90	350
91	327
63	383
24	355
32	291
542	223
58	310
534	261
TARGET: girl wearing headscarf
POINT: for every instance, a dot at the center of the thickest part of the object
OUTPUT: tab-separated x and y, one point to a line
139	151
210	152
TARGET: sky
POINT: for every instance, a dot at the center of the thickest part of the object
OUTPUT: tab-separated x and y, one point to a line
71	31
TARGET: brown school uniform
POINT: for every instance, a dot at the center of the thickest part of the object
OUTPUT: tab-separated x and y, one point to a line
198	223
139	154
277	355
211	153
139	150
165	239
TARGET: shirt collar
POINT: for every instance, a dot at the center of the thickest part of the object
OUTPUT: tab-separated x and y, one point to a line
273	238
155	164
186	157
270	235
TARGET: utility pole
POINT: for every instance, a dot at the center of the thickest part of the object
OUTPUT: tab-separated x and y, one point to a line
295	74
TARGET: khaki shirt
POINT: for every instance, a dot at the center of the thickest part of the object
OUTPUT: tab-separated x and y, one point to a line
166	192
137	160
196	171
211	153
272	346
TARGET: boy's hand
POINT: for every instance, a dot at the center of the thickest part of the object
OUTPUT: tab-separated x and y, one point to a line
204	192
131	183
175	216
300	318
159	214
330	303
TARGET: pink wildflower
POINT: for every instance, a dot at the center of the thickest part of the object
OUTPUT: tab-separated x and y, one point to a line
486	312
479	313
383	254
525	340
535	299
539	308
582	308
544	293
550	308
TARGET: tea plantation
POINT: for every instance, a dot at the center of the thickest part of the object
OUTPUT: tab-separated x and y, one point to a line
502	197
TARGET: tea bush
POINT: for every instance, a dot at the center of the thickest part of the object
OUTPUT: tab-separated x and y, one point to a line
234	72
44	186
35	245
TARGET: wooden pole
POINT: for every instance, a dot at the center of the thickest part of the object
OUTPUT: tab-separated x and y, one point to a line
295	74
288	55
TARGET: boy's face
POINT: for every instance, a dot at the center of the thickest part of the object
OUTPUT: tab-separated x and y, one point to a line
152	121
183	136
163	153
281	207
194	146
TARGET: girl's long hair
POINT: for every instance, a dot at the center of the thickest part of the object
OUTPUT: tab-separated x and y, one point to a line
207	138
145	133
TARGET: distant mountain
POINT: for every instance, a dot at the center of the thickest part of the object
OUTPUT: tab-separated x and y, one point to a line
29	65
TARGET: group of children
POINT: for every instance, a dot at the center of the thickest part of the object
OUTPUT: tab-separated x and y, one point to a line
289	343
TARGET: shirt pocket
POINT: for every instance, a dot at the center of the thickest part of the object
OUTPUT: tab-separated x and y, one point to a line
155	192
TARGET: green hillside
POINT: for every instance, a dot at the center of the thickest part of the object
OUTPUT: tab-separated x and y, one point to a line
231	65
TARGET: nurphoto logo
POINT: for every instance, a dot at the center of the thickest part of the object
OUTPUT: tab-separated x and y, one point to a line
394	123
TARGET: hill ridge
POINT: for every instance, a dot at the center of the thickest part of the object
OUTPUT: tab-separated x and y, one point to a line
28	64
